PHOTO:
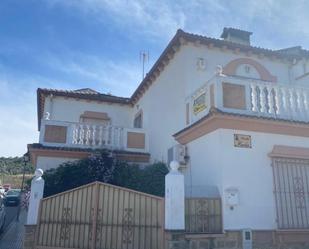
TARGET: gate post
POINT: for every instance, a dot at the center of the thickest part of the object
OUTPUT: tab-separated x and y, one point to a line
174	208
174	199
36	194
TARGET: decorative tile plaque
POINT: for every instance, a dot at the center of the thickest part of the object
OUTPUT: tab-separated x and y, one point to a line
242	141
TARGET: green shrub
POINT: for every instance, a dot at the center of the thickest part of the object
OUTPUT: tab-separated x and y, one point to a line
104	168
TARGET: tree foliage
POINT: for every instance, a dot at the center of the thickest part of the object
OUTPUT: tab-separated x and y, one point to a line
104	168
14	166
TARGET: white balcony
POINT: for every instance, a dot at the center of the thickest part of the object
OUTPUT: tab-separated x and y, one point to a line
94	136
250	97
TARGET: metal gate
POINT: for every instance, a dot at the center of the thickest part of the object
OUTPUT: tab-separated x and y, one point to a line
102	216
291	180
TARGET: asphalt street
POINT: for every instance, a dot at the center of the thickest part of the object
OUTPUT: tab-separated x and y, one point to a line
11	213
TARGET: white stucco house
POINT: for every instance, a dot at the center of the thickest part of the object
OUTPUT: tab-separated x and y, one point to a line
234	115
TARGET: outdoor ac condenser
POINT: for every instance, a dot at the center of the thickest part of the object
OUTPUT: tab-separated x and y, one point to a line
177	153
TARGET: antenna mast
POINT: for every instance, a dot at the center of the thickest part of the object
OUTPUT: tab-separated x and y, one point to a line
144	57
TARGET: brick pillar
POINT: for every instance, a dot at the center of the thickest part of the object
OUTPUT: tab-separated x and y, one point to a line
29	236
175	240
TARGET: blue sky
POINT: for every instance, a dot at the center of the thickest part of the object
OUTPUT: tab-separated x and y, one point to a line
71	44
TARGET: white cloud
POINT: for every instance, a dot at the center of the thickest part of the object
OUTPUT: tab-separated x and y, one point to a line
161	19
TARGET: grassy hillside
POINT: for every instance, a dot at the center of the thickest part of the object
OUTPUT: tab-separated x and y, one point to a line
11	170
14	180
14	166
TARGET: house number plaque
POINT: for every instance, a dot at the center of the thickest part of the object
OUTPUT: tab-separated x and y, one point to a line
242	141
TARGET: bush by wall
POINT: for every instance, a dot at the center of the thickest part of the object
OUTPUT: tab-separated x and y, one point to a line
103	167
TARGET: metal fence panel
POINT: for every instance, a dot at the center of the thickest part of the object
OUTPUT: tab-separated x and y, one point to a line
101	216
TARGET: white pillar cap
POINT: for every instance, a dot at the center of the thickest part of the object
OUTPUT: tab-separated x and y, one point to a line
174	165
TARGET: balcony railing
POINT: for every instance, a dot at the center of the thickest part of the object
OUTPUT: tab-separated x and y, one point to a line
251	97
95	136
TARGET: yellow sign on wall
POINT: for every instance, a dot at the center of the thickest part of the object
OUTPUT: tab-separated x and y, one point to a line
199	103
242	141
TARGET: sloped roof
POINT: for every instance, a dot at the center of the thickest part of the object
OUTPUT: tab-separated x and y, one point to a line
179	38
204	40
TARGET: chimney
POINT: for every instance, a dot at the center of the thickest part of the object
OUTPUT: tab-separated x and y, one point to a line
236	36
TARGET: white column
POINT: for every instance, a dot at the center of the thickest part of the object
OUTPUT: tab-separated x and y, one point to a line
278	100
174	199
270	100
81	134
263	99
293	103
254	99
88	134
100	135
93	135
74	128
306	103
36	194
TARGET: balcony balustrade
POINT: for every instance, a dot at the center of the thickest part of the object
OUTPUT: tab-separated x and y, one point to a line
250	97
94	136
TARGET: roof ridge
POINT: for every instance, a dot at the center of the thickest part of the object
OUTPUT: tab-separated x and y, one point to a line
53	90
229	42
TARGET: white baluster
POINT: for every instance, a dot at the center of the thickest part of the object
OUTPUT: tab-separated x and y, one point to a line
81	134
87	134
306	103
121	138
263	99
75	134
116	137
300	105
94	128
270	97
278	100
286	102
106	135
111	136
293	103
254	99
100	135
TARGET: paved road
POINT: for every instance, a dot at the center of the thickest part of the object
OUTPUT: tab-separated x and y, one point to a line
11	213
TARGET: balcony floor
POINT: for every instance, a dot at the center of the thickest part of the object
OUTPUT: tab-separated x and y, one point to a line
37	149
217	119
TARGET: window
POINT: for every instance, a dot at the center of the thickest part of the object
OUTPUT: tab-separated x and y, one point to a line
291	181
138	120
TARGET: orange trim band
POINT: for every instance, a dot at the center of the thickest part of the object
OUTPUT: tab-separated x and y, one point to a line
128	157
231	67
289	152
228	121
35	153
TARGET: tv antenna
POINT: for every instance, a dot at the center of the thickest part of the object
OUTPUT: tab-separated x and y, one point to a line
144	57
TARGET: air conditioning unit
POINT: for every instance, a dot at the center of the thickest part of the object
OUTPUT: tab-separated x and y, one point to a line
177	153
